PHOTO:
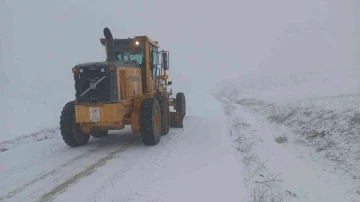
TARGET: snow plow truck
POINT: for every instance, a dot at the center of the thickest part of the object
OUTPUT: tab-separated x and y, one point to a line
129	88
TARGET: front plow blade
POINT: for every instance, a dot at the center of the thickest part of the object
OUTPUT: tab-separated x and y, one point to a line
176	119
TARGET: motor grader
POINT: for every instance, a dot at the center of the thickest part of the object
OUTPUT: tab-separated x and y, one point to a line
129	88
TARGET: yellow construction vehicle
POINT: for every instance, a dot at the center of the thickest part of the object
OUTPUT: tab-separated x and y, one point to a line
129	88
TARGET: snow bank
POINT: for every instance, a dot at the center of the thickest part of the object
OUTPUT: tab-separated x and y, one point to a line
312	116
280	164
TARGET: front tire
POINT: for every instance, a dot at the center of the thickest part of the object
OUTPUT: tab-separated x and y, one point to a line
165	114
70	130
150	121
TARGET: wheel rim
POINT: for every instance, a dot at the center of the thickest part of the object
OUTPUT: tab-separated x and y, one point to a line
156	119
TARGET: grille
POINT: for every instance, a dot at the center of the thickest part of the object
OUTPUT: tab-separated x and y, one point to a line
123	86
92	87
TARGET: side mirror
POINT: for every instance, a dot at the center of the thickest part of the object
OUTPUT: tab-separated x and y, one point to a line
169	83
165	60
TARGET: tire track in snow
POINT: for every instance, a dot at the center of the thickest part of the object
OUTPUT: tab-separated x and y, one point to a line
18	190
77	176
41	135
62	187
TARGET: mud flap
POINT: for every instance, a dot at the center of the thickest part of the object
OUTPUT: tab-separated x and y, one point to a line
176	119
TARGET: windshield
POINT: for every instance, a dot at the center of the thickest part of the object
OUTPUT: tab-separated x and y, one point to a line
128	49
130	56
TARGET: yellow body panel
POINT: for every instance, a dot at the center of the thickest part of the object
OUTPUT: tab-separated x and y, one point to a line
104	116
113	112
129	84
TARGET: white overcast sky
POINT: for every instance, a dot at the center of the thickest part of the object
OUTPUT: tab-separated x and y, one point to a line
208	41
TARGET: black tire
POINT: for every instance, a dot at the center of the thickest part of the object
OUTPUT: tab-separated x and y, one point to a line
150	121
99	134
70	130
165	114
180	103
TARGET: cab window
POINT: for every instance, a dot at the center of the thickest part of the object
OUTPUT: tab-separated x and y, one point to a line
130	56
154	56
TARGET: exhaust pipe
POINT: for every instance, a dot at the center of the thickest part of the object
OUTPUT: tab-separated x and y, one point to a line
109	45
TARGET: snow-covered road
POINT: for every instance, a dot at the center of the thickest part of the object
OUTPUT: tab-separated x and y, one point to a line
196	163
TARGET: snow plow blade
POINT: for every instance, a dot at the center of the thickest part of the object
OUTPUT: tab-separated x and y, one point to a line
176	119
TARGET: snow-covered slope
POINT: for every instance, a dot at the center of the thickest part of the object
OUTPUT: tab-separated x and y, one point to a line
298	135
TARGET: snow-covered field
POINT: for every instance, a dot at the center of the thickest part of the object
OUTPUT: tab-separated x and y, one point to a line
298	136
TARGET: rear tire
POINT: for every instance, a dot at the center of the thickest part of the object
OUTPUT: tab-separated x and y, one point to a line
99	134
70	130
150	121
180	103
180	107
165	114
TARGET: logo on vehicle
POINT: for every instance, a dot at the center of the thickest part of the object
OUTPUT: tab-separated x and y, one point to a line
92	85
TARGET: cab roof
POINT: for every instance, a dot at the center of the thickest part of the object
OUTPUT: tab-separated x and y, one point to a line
155	43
